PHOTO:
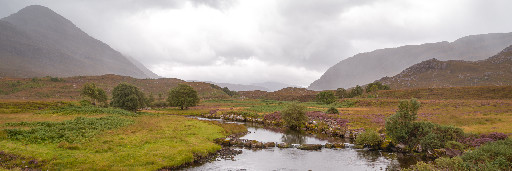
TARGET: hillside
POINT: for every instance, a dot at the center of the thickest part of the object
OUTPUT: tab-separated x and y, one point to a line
285	94
69	88
366	67
494	71
36	42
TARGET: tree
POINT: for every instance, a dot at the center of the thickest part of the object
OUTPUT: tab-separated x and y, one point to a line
294	116
400	125
128	97
96	94
325	97
375	86
183	96
341	93
356	91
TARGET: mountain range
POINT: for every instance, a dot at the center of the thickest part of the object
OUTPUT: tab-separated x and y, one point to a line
36	42
367	67
493	71
264	86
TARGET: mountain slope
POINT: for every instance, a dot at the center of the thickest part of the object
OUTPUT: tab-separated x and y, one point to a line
36	42
494	71
366	67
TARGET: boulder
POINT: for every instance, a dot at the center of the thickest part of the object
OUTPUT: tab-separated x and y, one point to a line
310	147
270	144
452	152
329	145
339	145
283	145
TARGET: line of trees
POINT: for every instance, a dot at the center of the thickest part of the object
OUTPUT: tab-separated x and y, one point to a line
129	97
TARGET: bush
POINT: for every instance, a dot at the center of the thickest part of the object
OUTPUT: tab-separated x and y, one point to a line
325	97
356	91
369	138
332	110
491	156
376	86
128	97
399	125
183	96
402	128
341	93
94	93
294	116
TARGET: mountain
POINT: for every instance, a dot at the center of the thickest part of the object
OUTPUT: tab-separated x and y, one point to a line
37	42
494	71
274	86
143	68
364	68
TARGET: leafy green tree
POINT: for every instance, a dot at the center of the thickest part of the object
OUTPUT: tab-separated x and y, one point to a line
341	93
95	93
294	116
150	100
128	97
183	96
376	86
325	97
400	125
356	91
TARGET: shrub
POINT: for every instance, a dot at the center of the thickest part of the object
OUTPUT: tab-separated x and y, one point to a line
94	93
402	128
332	110
128	97
356	91
369	138
183	96
341	93
376	86
229	92
455	145
294	116
325	97
399	125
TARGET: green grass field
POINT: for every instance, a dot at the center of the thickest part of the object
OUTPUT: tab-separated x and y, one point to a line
105	141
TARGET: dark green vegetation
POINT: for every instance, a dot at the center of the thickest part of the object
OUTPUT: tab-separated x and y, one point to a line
73	131
325	97
491	156
183	97
94	93
128	97
402	128
369	138
294	116
376	86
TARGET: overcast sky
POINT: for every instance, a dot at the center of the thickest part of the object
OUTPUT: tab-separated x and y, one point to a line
250	41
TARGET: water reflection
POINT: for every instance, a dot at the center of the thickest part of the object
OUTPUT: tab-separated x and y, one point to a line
295	159
293	137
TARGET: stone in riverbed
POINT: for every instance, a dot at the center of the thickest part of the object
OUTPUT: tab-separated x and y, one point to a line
339	145
270	144
283	145
310	147
329	145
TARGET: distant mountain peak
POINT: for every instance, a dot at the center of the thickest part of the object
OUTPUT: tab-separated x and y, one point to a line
39	42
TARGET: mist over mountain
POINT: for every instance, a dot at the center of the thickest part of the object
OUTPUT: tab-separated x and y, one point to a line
367	67
37	42
494	71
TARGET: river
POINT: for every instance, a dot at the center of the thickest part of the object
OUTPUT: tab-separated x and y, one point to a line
295	159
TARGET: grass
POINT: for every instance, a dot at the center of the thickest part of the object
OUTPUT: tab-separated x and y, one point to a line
474	116
101	140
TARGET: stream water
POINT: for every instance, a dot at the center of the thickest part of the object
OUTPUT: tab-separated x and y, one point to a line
295	159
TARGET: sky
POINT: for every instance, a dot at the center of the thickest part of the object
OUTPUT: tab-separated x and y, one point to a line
253	41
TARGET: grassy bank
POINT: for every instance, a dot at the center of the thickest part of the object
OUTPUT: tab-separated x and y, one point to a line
474	116
114	142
